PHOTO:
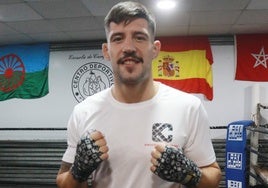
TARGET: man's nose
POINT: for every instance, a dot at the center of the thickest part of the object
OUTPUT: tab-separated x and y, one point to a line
129	46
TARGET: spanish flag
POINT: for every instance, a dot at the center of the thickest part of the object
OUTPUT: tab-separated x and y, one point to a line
185	63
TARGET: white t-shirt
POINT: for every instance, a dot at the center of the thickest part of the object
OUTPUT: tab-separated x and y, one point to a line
132	130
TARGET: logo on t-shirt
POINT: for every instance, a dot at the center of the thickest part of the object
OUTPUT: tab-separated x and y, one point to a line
161	132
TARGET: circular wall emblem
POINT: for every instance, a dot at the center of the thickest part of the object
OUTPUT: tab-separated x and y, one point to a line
12	72
91	78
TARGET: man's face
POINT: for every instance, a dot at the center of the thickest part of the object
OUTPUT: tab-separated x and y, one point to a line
131	49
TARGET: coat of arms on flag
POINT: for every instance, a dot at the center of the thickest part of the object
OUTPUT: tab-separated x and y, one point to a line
168	67
185	63
251	57
24	71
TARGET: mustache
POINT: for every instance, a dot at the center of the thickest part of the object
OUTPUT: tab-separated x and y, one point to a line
130	55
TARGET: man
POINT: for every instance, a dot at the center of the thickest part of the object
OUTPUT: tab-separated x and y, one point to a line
138	133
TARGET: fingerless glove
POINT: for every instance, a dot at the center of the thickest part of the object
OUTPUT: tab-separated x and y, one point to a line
174	166
87	158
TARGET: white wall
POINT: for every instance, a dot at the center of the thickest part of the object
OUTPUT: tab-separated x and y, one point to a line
232	99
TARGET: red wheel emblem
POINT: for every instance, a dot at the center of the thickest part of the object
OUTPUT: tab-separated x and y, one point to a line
12	72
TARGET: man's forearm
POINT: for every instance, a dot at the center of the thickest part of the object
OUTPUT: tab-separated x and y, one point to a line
66	180
210	177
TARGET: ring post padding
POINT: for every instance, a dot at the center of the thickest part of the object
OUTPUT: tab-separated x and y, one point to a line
236	154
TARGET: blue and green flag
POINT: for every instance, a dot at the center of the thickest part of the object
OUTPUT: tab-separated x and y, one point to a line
24	71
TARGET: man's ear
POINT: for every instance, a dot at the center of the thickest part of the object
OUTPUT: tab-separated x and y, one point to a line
157	47
105	51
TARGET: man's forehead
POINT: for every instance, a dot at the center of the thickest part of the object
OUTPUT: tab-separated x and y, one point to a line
136	26
139	23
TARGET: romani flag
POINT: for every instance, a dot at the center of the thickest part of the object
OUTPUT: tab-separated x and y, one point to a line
251	57
24	71
185	63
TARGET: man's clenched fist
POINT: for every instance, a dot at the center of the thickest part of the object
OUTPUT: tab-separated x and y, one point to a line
90	152
170	164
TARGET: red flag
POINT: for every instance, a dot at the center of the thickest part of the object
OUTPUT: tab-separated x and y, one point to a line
252	57
185	64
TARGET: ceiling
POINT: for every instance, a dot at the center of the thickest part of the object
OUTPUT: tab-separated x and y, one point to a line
60	21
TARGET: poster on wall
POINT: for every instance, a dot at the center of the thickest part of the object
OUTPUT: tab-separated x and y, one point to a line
91	77
90	72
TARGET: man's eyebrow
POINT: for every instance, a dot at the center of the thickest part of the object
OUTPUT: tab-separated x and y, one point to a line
141	33
116	34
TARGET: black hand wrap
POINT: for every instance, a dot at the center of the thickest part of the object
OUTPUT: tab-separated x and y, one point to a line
174	166
87	159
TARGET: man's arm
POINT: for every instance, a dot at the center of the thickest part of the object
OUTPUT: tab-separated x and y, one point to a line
211	176
90	152
65	178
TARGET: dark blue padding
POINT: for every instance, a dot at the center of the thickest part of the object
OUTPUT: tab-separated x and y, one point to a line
236	154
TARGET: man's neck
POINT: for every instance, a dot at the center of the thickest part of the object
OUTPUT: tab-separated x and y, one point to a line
135	93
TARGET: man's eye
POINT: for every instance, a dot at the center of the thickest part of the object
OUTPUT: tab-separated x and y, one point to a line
116	39
140	38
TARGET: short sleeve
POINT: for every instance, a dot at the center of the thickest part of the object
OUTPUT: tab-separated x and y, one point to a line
72	138
199	146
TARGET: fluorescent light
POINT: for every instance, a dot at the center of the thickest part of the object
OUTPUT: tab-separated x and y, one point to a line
166	4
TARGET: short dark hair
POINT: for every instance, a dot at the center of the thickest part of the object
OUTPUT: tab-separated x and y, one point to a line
128	11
